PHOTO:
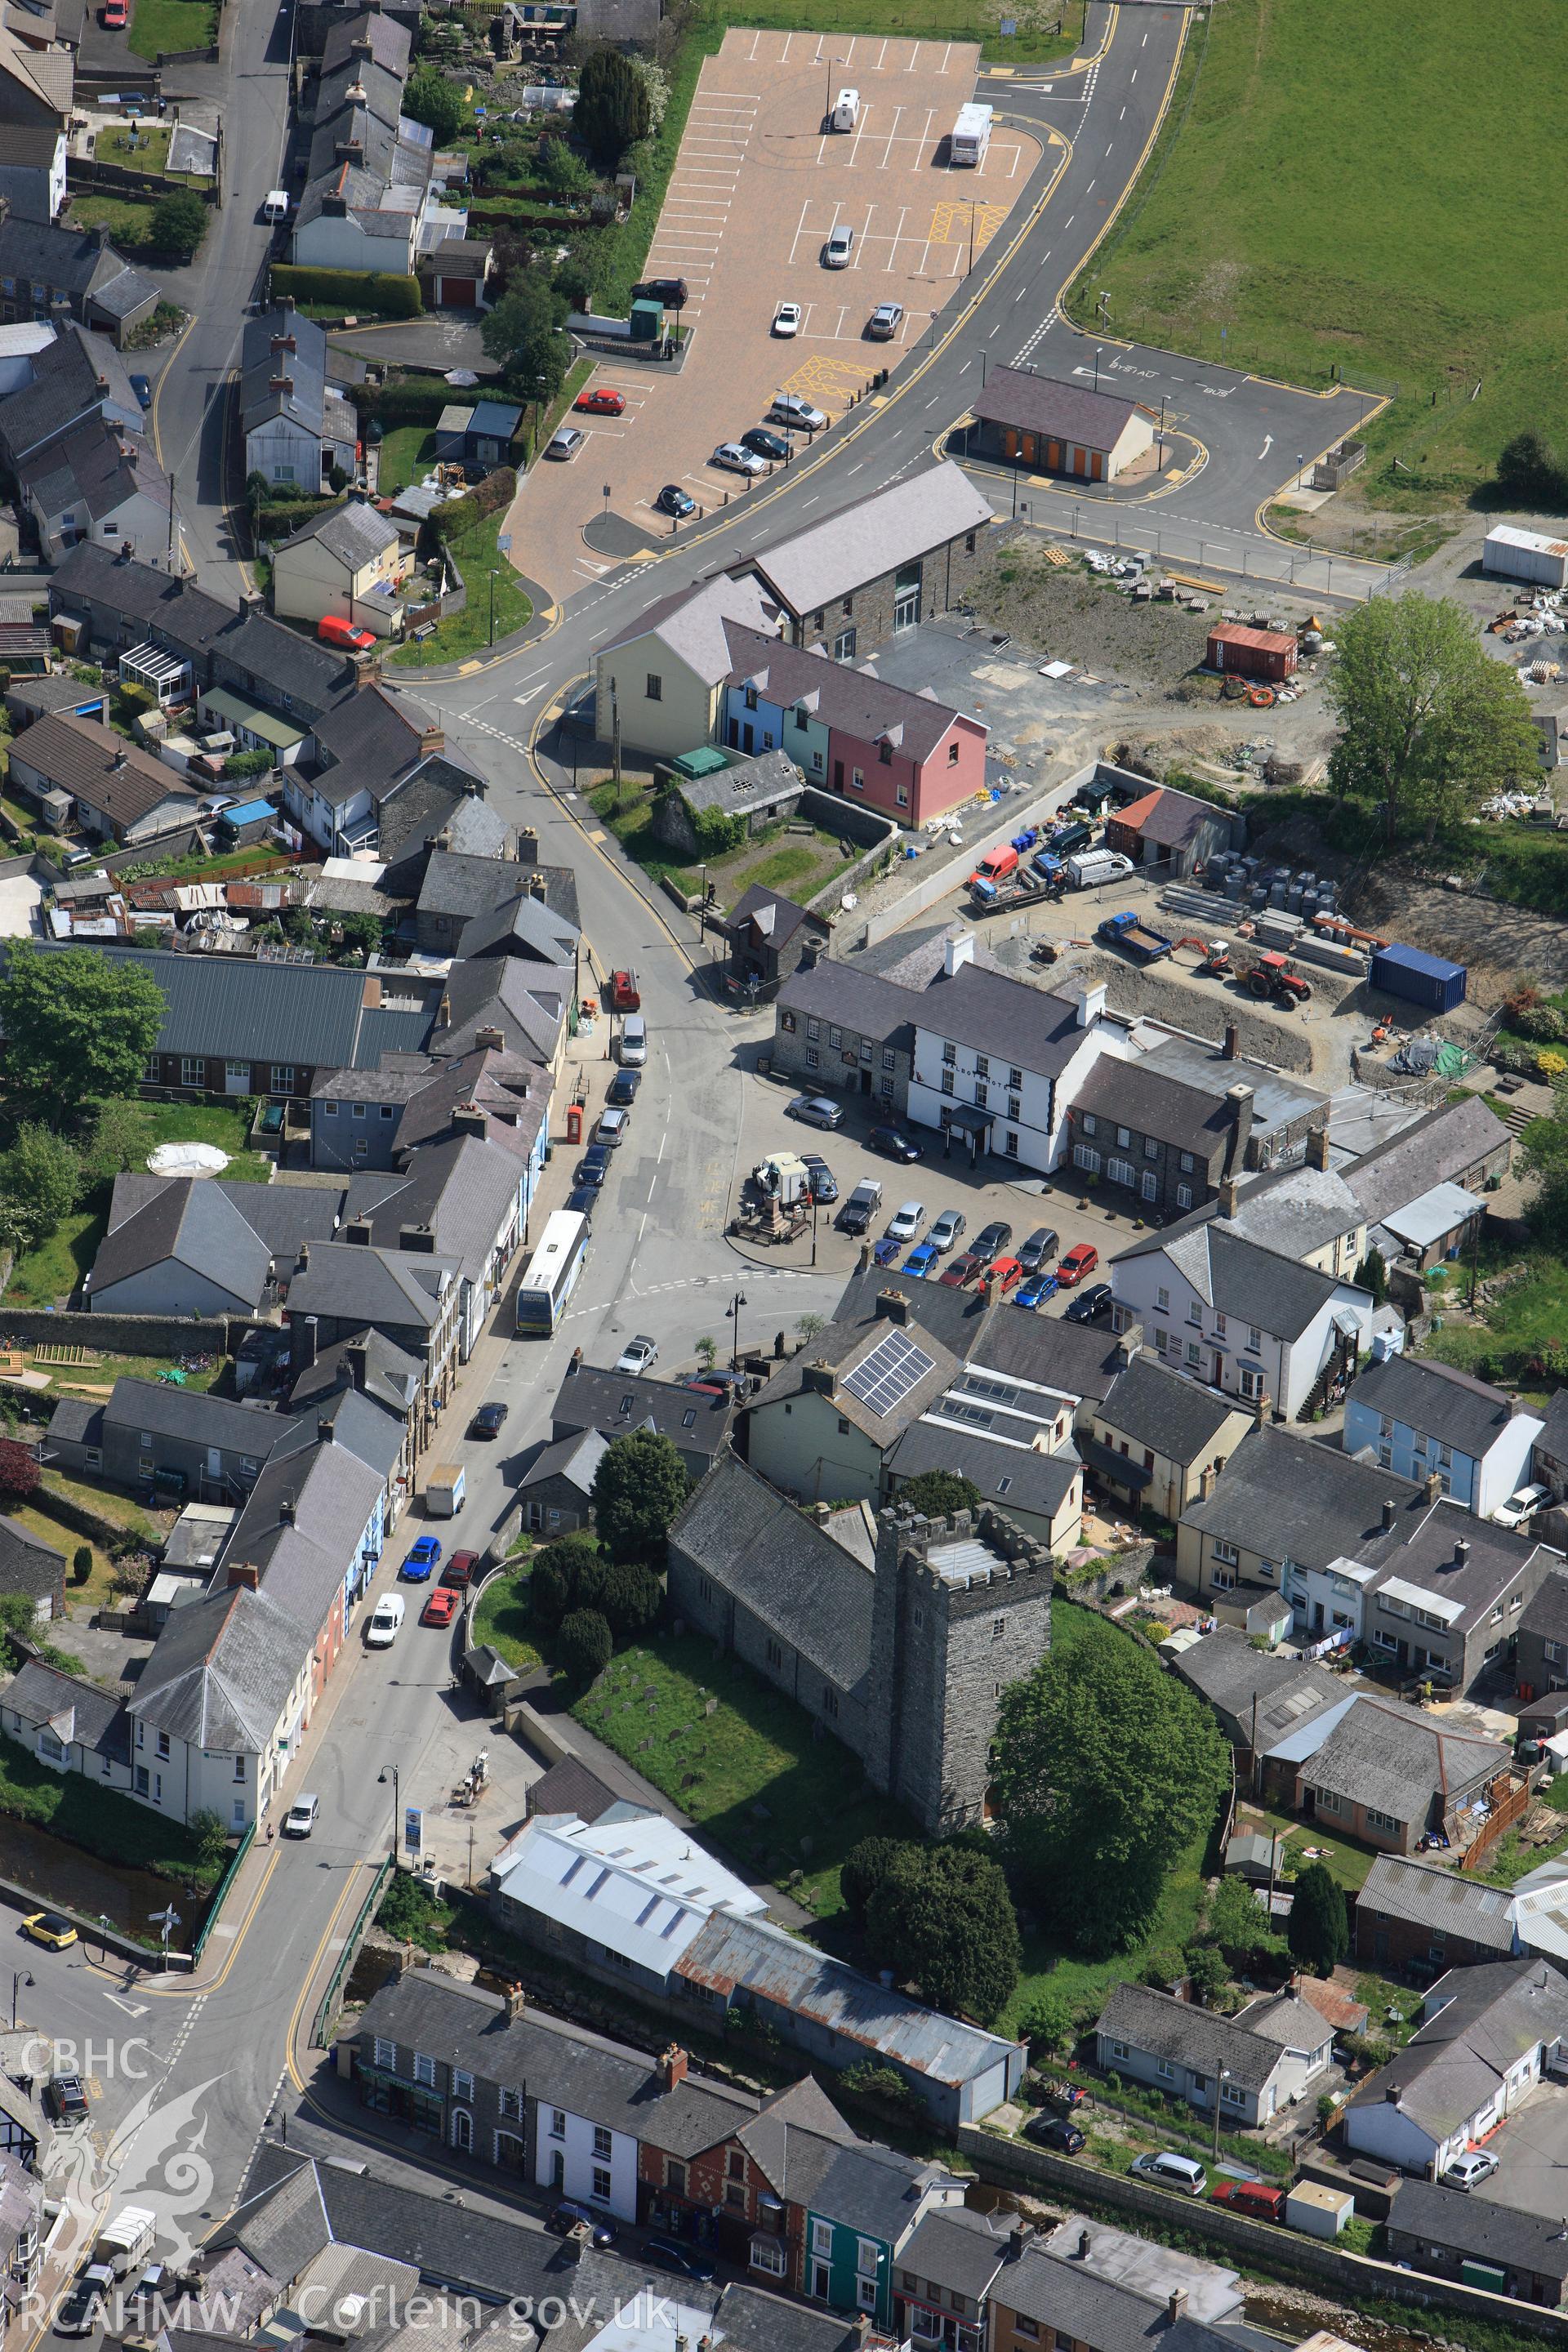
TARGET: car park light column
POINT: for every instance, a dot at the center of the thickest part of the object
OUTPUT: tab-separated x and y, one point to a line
397	1804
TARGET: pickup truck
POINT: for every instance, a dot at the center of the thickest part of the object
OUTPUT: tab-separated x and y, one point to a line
1050	869
1134	939
855	1215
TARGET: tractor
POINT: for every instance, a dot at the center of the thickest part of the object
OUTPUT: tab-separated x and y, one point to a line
1273	975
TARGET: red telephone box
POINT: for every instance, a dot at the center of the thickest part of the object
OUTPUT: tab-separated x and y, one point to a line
574	1123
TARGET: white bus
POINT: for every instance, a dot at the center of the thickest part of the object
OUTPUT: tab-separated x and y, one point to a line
550	1274
971	135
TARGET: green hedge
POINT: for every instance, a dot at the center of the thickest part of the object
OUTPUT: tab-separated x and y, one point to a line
281	522
460	515
356	289
410	401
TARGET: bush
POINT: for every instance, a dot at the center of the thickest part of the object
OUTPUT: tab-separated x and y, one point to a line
19	1475
82	1563
247	763
430	98
862	1871
458	517
717	833
407	402
1529	471
178	225
355	289
584	1646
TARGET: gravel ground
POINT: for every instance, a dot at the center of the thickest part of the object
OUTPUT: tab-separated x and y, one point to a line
1194	1005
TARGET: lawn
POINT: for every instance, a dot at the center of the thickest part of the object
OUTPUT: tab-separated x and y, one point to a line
467	635
45	1276
750	1774
127	221
98	1819
1343	195
166	25
502	1620
407	452
1529	1315
925	20
800	864
1347	1862
149	151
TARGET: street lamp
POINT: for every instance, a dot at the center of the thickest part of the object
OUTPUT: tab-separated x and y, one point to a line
1098	348
19	1976
396	1803
494	577
1221	2080
103	1925
734	1311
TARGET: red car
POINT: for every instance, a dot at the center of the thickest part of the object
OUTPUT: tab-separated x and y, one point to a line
960	1272
1078	1264
115	16
1250	2196
441	1607
601	402
1003	1275
334	630
459	1568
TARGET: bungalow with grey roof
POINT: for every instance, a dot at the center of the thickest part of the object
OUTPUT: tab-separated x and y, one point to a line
1481	2048
115	791
1262	2059
1372	1770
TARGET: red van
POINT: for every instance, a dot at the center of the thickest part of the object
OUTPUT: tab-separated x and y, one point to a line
995	865
333	630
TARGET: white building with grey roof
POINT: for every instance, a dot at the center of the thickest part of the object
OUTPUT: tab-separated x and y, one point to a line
1416	1416
1257	2064
1486	2037
348	563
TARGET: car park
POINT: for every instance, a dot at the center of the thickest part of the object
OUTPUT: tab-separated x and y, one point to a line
441	1607
855	1215
793	408
823	1183
1042	1243
300	1818
1469	2171
991	1239
600	402
1078	1264
733	459
1035	1290
1055	2131
944	1234
893	1144
1253	2196
688	2261
921	1260
907	1221
1090	1303
489	1419
623	1089
960	1272
816	1110
673	500
423	1554
787	318
637	1354
764	444
565	441
386	1623
568	2215
611	1127
142	386
49	1928
840	245
65	2100
884	321
1168	2170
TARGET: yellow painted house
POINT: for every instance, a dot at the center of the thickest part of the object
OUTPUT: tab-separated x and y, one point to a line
348	561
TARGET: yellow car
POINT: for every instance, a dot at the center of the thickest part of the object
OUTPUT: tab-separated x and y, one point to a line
48	1928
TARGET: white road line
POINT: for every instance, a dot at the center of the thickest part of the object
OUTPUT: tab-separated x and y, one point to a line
880	55
914	55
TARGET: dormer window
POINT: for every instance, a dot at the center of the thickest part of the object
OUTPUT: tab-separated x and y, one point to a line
751	698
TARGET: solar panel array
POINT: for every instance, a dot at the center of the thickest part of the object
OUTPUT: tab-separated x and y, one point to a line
885	1377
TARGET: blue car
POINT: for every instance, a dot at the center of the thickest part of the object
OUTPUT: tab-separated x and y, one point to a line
921	1259
886	1252
142	389
424	1556
1035	1291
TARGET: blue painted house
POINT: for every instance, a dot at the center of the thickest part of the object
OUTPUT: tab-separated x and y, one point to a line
1422	1419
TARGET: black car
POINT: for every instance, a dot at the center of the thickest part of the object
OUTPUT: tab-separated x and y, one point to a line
582	1200
1055	2131
855	1215
991	1239
1087	1304
1042	1245
823	1183
893	1144
142	389
564	2219
673	292
594	1166
668	2254
65	2099
487	1422
1063	843
764	444
673	500
623	1089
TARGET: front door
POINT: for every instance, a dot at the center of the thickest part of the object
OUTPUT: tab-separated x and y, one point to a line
821	2281
748	737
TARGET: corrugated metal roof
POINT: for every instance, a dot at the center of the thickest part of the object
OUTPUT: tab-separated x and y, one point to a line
642	1888
1266	641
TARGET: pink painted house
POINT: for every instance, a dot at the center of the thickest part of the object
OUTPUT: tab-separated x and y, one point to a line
906	754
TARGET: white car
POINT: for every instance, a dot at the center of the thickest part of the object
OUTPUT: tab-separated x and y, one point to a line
836	253
1519	1506
907	1225
300	1818
1467	2171
788	318
386	1622
736	460
637	1354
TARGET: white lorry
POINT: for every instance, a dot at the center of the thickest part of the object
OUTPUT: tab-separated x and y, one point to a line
126	2242
846	109
970	136
444	1495
1090	868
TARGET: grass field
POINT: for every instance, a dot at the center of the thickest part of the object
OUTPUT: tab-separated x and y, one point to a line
750	1774
502	1620
407	452
923	20
1344	193
160	25
467	635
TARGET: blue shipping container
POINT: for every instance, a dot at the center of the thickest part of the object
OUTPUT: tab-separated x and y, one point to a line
1426	980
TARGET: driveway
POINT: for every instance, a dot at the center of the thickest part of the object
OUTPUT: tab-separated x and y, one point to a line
440	343
1533	2147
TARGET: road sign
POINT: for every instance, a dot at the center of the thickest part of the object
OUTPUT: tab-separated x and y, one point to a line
504	542
412	1818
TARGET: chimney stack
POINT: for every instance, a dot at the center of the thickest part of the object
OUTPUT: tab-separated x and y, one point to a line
527	846
672	2065
957	952
1018	2237
357	1230
1240	1101
1432	1486
286	1513
1318	1148
516	2003
418	1239
245	1575
893	1307
470	1120
301	1337
488	1041
1090	1005
1176	2306
1206	1483
819	1376
356	1356
1129	1345
1461	1552
1227	1190
1388	1514
1085	2245
1263	1406
1231	1049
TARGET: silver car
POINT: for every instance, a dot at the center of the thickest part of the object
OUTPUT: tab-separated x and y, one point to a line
790	408
836	253
906	1225
736	460
816	1110
944	1234
564	443
884	321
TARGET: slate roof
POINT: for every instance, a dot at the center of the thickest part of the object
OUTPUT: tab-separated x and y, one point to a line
1446	1144
1280	1099
868	2188
71	258
1043	403
261	370
846	1346
1397	1888
1163	2027
77	371
838	695
195	1225
1003	1017
194	1416
1453	1406
874	535
392	1375
27	1564
777	919
691	623
758	784
1478	2021
1012	1477
779	1564
1133	1095
97	465
526	1001
589	1398
221	1672
1476	2228
1226	1669
332	1492
308	1015
40	1694
352	1283
855	999
955	2248
1296	1210
391	42
1159	1409
177	608
1286	1493
355	533
606	2081
101	769
748	2320
464	1189
1467	1562
575	1459
1398	1760
1242	1278
568	1787
1085	2307
1546	1613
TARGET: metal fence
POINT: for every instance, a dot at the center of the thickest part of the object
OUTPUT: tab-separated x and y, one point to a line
220	1895
326	2013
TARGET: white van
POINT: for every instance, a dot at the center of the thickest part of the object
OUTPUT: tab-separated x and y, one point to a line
1170	2170
126	2242
275	207
632	1043
846	109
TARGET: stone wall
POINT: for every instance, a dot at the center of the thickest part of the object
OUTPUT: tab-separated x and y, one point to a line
947	575
128	1335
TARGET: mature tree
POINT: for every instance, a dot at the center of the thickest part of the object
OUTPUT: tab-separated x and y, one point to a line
1208	1973
584	1646
78	1028
19	1475
1106	1768
212	1839
257	492
1319	1929
862	1871
1430	723
563	171
430	98
1238	1924
362	934
82	1563
522	334
1529	471
613	111
178	225
1372	1275
626	1594
554	1579
578	271
941	1917
639	1485
1051	2021
937	1492
40	1178
1544	1156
